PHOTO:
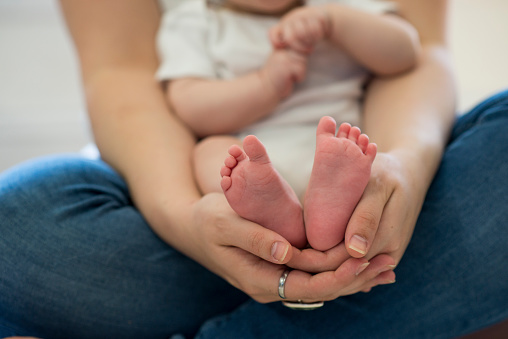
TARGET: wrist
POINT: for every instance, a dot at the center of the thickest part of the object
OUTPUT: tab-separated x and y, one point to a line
167	213
275	91
416	170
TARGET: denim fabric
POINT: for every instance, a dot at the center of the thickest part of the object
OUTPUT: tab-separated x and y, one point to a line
453	278
77	260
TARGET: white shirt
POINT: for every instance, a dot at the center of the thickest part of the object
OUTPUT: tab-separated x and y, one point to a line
218	43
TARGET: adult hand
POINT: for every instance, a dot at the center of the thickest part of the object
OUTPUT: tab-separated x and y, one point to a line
381	225
378	271
385	217
252	258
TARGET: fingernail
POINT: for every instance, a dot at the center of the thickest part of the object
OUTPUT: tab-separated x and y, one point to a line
358	244
387	268
279	251
362	268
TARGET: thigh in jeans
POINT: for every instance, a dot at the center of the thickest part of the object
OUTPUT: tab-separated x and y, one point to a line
79	261
453	278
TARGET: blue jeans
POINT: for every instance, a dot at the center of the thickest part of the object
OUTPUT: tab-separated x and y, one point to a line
77	260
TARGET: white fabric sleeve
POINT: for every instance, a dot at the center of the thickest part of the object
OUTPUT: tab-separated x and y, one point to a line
372	6
182	43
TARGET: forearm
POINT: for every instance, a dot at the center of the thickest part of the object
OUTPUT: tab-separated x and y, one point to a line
411	115
138	135
385	44
133	127
222	106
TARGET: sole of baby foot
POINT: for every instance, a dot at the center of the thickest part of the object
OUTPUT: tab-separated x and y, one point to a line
341	171
257	192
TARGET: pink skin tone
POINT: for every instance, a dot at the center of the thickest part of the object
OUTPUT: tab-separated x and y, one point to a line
341	171
342	162
301	29
257	192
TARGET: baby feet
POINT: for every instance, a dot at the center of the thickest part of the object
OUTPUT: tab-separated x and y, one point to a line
257	192
341	171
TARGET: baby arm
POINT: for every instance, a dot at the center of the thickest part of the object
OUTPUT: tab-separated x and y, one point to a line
384	44
225	106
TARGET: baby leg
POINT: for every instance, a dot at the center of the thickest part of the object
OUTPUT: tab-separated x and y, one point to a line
208	158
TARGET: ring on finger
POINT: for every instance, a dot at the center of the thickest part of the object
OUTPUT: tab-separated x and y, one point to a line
295	305
282	283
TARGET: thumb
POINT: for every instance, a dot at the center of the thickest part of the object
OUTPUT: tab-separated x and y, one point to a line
363	226
262	242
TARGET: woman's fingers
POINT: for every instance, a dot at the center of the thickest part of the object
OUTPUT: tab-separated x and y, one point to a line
352	276
379	271
323	286
260	279
384	278
259	241
221	226
252	259
313	261
364	222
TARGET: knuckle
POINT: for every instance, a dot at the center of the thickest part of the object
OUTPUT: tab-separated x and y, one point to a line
301	33
219	221
256	241
367	221
260	299
254	292
393	247
235	283
218	224
247	289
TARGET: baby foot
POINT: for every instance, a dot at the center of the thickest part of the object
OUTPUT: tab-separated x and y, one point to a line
341	171
257	192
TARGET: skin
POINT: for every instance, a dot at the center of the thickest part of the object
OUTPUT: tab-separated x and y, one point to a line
126	105
272	83
122	96
265	7
384	44
392	47
408	157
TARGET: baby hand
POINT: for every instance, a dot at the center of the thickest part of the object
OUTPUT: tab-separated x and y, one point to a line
301	29
283	69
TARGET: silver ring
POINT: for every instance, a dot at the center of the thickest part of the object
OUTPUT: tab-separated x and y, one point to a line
282	283
300	305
